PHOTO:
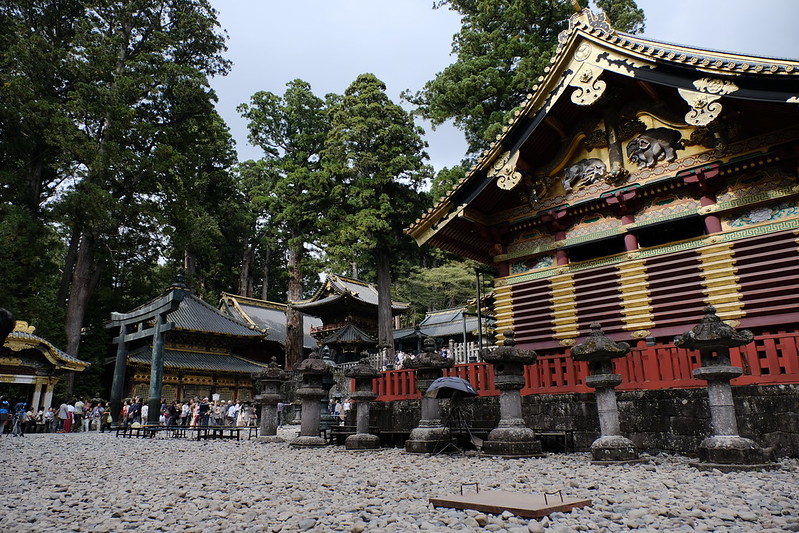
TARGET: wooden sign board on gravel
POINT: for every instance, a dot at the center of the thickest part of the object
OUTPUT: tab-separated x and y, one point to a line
497	501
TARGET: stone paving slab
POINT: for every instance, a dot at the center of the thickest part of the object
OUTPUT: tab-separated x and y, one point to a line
95	482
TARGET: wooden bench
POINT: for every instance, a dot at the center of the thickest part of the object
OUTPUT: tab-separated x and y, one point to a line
563	439
131	431
218	432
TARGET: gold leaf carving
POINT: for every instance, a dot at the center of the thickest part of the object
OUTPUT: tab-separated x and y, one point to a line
704	107
715	86
583	52
640	334
23	327
504	169
589	87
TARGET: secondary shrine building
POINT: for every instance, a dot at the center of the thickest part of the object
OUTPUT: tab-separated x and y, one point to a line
207	352
639	182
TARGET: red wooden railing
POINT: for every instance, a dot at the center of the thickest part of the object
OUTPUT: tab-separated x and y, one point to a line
772	358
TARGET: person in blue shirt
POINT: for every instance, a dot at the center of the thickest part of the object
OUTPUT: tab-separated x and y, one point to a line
5	413
20	414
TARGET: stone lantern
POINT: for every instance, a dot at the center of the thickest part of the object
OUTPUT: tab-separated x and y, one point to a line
363	374
511	438
724	450
430	434
611	447
268	382
313	370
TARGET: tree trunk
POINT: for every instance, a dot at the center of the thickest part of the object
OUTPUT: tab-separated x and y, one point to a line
69	267
188	265
385	332
294	334
247	258
354	269
84	280
265	287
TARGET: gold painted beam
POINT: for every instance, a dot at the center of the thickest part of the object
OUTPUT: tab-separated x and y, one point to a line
636	301
563	301
720	280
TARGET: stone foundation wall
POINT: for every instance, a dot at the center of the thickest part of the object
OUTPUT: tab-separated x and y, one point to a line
674	420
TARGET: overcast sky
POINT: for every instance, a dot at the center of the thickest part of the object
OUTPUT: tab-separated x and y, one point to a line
328	43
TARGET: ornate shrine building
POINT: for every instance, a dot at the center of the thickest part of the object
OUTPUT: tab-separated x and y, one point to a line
639	182
268	316
30	367
208	352
348	311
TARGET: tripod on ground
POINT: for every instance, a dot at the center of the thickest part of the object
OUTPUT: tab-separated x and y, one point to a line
16	429
458	424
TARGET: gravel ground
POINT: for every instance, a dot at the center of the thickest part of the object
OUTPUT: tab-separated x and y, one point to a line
95	482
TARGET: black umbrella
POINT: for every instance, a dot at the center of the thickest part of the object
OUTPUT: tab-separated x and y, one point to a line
447	386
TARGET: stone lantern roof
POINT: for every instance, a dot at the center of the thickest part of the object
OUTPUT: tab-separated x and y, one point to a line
313	365
429	358
508	353
598	347
273	371
711	334
363	370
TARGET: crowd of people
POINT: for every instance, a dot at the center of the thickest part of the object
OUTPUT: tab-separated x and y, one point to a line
86	415
192	413
71	416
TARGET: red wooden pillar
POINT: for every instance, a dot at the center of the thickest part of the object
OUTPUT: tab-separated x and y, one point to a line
702	177
623	201
556	219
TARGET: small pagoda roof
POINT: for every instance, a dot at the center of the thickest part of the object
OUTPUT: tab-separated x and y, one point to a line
22	338
350	334
268	316
590	56
193	360
443	323
337	293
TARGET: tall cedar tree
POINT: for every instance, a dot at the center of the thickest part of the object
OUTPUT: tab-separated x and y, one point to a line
292	191
129	64
501	49
376	156
35	40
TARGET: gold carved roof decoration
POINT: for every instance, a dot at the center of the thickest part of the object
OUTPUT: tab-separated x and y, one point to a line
504	170
704	101
23	327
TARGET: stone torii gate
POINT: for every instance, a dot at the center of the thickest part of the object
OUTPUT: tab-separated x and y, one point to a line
137	325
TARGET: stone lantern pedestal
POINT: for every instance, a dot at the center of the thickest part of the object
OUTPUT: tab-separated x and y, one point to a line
511	438
724	450
363	374
268	382
611	447
311	392
431	434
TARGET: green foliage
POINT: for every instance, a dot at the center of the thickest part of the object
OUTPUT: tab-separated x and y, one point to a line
376	156
445	179
110	147
502	49
290	189
430	289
